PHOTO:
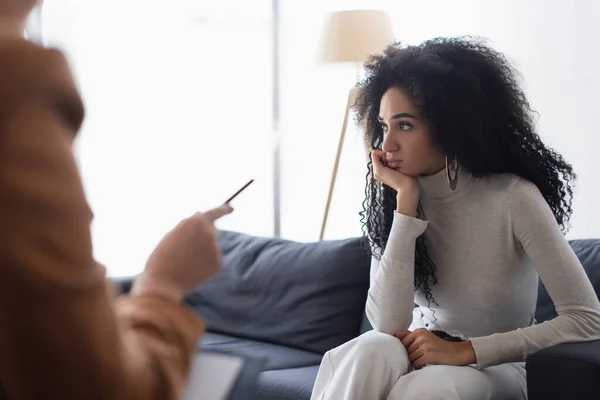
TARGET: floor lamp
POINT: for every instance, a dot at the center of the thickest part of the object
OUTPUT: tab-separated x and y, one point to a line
350	37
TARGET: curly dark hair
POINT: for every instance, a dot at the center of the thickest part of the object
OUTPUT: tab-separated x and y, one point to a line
470	97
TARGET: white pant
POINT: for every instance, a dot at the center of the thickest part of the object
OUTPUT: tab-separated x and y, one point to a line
375	366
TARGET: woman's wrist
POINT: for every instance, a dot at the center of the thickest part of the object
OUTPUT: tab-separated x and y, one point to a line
407	204
147	285
468	353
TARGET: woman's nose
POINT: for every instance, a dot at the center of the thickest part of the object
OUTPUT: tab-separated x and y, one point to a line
389	145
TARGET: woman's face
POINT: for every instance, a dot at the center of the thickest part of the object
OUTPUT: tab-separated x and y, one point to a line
408	143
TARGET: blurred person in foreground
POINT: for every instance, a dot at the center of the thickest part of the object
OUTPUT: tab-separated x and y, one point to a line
62	334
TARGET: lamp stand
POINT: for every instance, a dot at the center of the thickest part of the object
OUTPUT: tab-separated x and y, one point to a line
351	99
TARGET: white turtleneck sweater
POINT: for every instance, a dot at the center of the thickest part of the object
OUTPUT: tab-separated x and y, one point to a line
490	238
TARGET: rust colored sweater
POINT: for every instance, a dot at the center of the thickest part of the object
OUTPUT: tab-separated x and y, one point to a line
62	335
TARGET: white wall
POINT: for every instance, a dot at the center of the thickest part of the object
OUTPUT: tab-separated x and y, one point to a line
553	44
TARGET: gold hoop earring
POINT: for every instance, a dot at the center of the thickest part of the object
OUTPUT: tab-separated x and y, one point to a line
452	167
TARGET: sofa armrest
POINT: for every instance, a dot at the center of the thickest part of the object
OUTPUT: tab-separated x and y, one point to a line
566	371
123	284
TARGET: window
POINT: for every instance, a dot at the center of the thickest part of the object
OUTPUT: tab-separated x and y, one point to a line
179	101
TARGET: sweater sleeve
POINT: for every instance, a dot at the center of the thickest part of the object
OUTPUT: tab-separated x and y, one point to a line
62	335
390	300
536	230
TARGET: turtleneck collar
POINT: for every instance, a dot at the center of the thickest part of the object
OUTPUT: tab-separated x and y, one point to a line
436	186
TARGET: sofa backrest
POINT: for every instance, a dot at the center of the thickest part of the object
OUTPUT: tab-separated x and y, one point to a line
588	252
309	296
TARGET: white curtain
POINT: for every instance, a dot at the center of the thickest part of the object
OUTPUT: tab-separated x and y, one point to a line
178	98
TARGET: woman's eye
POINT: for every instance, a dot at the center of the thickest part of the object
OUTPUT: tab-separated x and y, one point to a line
404	126
384	128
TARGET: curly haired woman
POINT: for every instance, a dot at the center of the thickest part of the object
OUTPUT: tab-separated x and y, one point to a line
465	209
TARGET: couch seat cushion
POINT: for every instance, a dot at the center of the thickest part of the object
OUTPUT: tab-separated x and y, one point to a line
287	384
275	356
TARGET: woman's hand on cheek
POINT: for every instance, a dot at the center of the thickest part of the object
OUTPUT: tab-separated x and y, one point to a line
425	348
391	177
406	186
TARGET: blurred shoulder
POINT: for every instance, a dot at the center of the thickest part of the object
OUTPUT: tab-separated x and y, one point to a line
21	59
29	72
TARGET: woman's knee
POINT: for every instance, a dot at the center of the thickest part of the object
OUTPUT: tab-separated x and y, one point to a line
377	345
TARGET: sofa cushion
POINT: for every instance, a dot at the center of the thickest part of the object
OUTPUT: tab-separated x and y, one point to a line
588	252
287	384
310	296
274	356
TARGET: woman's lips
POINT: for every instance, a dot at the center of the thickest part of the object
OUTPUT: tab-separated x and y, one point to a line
394	164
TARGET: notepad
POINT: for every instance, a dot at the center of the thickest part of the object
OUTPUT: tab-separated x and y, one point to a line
212	376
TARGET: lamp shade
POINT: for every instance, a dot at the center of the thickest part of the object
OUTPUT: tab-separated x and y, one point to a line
353	35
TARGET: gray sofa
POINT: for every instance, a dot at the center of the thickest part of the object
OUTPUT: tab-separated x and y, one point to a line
287	303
